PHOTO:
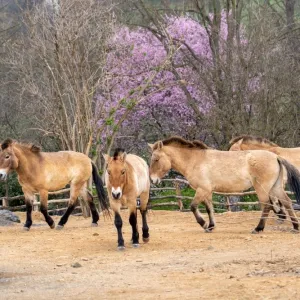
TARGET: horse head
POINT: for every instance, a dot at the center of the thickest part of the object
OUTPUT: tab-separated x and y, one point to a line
160	162
8	159
116	172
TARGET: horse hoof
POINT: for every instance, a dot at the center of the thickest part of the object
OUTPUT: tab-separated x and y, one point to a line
135	245
52	226
254	231
146	240
208	230
121	248
26	228
59	227
94	225
295	231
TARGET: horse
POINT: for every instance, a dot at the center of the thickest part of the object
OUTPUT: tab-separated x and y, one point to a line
209	170
249	142
127	177
41	172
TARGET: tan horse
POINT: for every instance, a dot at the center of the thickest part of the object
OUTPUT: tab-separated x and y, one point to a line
248	142
224	171
127	177
41	172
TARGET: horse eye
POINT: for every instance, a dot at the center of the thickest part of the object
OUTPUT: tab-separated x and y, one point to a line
7	156
108	172
157	159
123	172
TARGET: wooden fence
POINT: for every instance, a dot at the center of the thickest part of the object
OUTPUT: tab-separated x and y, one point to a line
175	199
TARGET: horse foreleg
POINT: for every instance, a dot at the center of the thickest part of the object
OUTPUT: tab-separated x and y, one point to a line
133	223
116	207
143	209
29	202
200	197
44	208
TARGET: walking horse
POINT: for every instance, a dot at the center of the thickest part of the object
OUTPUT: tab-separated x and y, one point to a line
41	172
210	170
127	177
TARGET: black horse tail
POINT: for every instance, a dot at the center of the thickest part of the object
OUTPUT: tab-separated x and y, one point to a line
293	177
100	190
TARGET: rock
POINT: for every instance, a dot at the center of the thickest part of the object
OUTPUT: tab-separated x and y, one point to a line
85	259
7	218
76	265
95	234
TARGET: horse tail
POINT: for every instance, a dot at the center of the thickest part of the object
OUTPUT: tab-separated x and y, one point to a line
293	179
100	189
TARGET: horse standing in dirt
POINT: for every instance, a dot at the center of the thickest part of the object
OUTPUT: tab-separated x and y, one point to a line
127	177
225	171
41	172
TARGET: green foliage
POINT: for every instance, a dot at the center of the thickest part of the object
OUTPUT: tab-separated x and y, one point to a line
14	189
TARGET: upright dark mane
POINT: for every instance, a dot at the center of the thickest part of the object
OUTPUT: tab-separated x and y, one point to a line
252	139
118	152
31	147
180	142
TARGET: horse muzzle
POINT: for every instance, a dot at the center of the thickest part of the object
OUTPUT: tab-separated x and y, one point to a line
3	175
116	193
155	179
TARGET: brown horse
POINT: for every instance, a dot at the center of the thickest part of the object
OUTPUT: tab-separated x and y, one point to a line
224	171
41	172
127	177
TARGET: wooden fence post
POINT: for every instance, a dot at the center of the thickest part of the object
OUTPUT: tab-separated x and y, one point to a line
178	193
228	203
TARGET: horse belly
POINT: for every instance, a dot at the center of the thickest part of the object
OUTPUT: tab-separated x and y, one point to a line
233	184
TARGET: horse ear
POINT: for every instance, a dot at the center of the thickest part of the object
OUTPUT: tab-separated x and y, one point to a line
123	156
240	142
7	143
159	145
151	146
106	157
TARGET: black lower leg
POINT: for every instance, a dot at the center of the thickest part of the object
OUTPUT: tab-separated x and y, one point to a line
48	219
262	222
133	223
211	224
295	223
95	215
199	219
28	222
118	224
66	215
145	227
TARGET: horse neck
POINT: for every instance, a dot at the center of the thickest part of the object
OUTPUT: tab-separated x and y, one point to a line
180	158
129	175
26	160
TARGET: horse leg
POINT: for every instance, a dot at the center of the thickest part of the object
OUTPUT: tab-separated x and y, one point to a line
88	197
287	203
143	209
44	208
263	194
278	209
75	190
116	207
200	196
29	197
210	211
133	223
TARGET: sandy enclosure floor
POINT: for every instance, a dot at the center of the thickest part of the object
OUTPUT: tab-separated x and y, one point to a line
179	262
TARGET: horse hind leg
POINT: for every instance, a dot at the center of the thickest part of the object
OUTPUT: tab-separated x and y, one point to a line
133	223
201	196
44	208
143	210
29	197
278	209
74	193
88	197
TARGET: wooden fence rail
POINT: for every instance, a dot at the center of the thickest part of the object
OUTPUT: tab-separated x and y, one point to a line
176	196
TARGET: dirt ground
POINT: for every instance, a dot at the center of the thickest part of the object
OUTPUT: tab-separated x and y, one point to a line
179	262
